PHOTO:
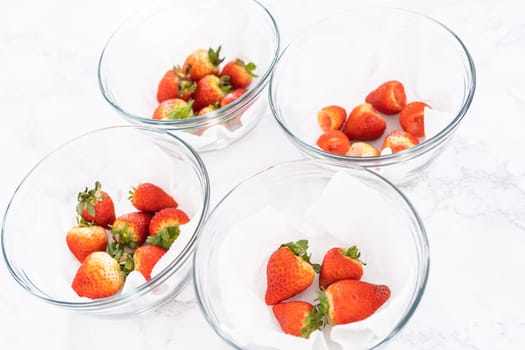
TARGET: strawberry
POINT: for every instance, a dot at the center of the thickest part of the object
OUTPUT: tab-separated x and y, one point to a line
232	96
240	73
388	98
145	258
83	240
340	264
331	117
364	123
289	272
98	276
363	149
151	198
173	109
349	301
334	141
130	230
398	140
164	226
297	318
175	84
412	118
210	90
208	109
203	62
96	206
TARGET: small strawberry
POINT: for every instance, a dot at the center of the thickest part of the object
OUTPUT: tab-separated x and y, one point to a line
164	226
349	301
175	84
340	264
398	140
145	258
363	149
412	118
83	240
232	96
151	198
289	272
210	90
240	73
297	318
173	109
331	117
364	123
208	109
334	141
130	230
203	62
96	206
98	276
388	98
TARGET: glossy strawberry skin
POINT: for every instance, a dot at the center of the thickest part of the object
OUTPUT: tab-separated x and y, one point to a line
164	226
292	316
202	62
331	117
146	257
151	198
399	140
232	96
364	123
84	240
334	141
210	90
339	264
240	73
96	206
412	118
131	229
389	98
175	84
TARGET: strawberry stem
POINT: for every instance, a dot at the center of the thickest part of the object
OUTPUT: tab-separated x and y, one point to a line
300	248
165	237
181	112
353	253
88	198
214	56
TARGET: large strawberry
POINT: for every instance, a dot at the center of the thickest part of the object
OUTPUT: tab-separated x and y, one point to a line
98	276
289	272
173	109
349	301
164	226
203	62
340	264
240	73
297	318
175	84
388	98
151	198
96	206
83	240
145	257
130	230
364	123
210	90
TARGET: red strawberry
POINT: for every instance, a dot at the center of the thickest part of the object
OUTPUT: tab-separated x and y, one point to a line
203	62
340	264
364	123
173	109
164	226
130	230
412	118
151	198
175	84
388	98
84	240
145	258
208	109
331	117
98	276
297	318
334	141
210	90
363	149
289	272
96	206
349	301
240	74
232	96
399	140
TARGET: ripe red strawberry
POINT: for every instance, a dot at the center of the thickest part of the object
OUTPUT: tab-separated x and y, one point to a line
289	272
364	123
98	276
130	230
164	226
232	96
173	109
331	117
340	264
398	140
349	301
412	118
96	206
388	98
210	90
240	73
363	149
334	141
145	258
151	198
297	318
84	240
175	84
208	109
203	62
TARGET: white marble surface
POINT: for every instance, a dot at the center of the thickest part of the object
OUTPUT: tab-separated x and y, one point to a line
472	199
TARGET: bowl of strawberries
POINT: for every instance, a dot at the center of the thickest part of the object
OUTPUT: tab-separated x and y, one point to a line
95	226
387	97
317	256
181	67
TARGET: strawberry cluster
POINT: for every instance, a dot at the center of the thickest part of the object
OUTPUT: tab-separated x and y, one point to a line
365	123
343	298
136	240
200	86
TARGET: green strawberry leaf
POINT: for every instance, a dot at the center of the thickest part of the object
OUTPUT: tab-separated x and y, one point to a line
181	112
353	253
214	56
165	237
250	67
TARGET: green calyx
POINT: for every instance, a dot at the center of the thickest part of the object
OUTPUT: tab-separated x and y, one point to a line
313	322
123	257
214	56
353	253
124	236
224	84
165	237
184	82
88	198
300	248
248	67
182	112
322	309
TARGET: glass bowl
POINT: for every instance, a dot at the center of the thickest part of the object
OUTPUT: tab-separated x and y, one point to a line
354	52
42	209
329	205
162	35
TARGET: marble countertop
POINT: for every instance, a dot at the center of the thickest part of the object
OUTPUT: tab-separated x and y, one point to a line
472	199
